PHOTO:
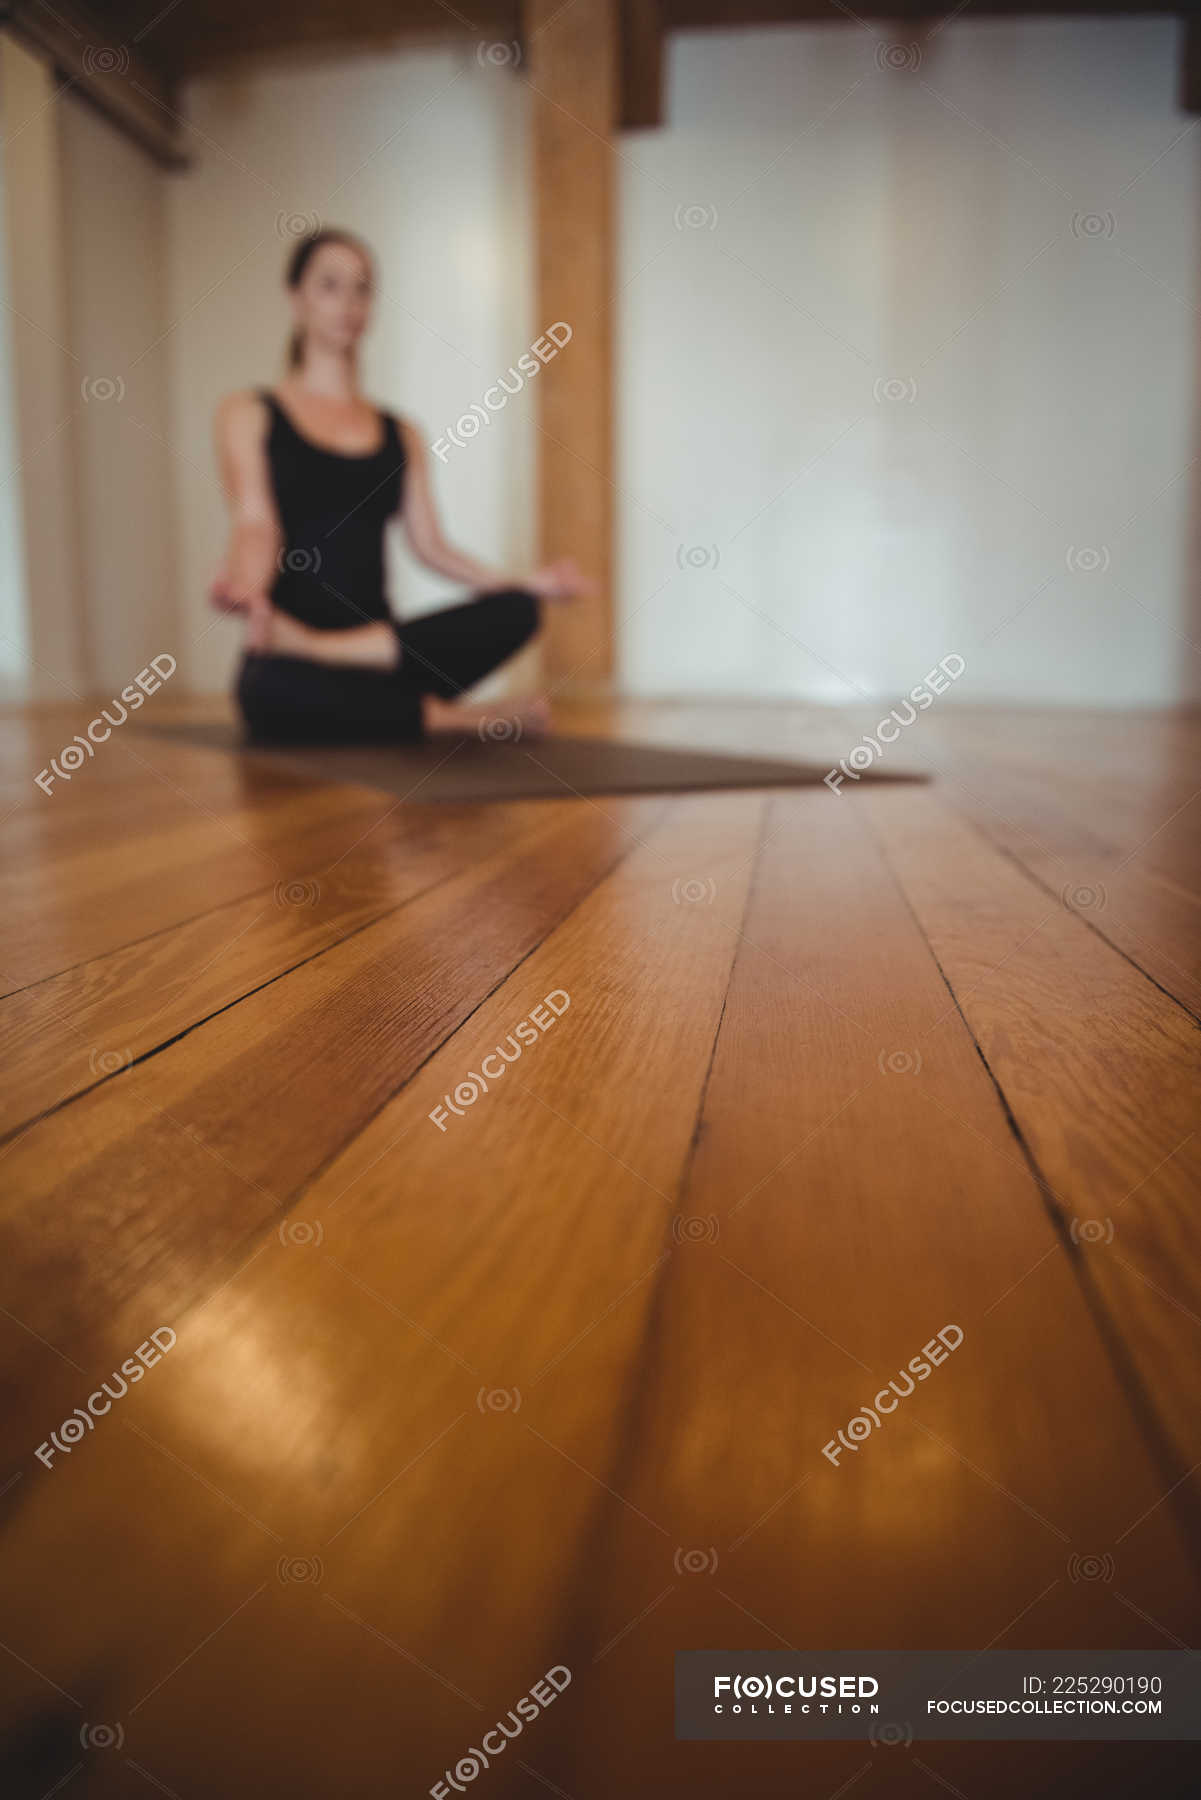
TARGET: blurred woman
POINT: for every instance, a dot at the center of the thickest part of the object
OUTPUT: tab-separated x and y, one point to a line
313	472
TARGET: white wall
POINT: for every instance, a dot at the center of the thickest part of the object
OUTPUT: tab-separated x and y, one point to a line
423	152
932	228
116	315
1009	235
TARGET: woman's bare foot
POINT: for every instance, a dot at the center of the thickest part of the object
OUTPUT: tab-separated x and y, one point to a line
277	633
505	721
285	636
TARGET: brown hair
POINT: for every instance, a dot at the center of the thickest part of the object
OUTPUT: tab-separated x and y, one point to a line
299	261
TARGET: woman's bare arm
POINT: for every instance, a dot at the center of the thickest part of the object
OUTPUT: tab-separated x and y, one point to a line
245	582
251	565
560	580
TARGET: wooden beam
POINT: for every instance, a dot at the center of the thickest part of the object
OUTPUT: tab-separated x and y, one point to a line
207	36
110	75
1190	65
641	64
726	14
573	66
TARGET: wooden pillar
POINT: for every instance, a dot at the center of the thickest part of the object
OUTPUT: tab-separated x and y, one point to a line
572	65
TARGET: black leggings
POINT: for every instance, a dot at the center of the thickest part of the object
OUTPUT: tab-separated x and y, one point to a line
287	699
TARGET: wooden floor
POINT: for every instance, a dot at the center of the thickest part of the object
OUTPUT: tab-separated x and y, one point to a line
547	1380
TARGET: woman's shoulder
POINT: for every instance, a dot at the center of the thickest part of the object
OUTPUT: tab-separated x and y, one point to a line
407	430
399	428
247	410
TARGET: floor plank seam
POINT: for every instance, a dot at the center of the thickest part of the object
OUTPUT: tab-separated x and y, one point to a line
295	1197
174	925
698	1122
256	1240
260	987
1161	1447
132	943
1184	1501
1044	887
577	1610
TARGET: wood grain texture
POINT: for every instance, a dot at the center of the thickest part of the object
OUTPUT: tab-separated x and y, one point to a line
1130	867
856	1189
71	1031
1101	1074
573	56
460	1394
178	1161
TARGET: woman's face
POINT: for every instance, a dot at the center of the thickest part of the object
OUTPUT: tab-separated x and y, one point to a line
332	304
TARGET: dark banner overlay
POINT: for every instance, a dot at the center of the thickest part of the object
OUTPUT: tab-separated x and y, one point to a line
907	1696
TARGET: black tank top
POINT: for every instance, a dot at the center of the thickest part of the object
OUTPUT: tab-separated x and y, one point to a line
332	510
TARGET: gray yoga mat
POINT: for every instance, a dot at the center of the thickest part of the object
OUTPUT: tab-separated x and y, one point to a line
447	768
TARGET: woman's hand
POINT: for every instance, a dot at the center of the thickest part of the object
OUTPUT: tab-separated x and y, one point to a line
254	608
562	580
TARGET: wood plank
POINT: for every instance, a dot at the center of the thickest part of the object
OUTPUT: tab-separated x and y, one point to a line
74	1030
342	1302
552	1196
1114	834
1100	1071
1130	780
844	1206
66	903
134	1195
1149	917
